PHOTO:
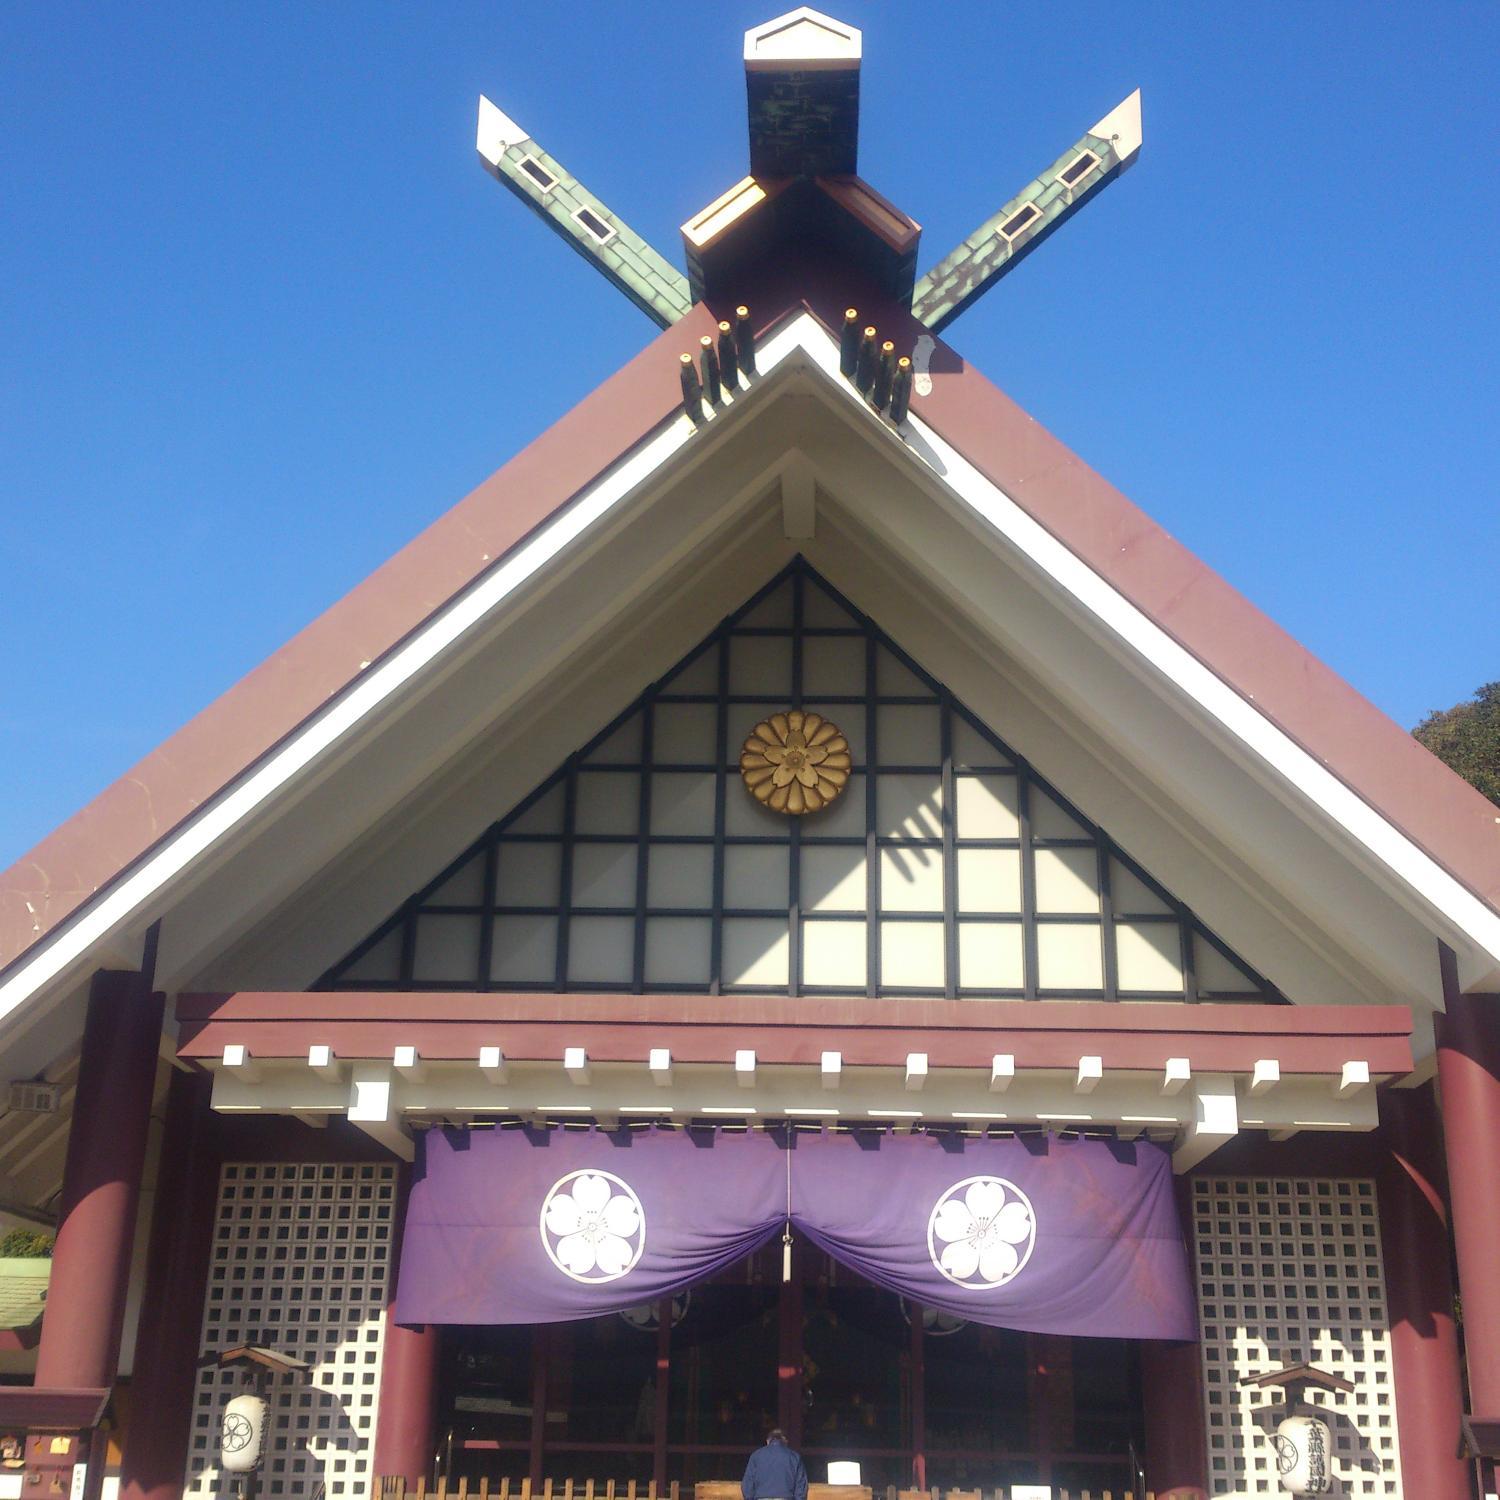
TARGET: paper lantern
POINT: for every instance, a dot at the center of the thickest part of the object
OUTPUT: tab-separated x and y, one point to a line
242	1434
1303	1449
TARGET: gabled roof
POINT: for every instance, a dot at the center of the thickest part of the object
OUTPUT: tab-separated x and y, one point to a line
1288	714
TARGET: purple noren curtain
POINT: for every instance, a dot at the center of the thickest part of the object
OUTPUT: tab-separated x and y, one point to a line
1037	1234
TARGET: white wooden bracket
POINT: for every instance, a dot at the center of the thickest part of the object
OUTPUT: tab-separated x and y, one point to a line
238	1063
1266	1076
372	1109
1216	1119
322	1062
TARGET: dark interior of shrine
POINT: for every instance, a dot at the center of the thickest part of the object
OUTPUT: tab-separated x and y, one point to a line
826	1355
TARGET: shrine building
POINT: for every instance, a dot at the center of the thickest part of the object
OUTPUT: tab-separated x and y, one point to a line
794	905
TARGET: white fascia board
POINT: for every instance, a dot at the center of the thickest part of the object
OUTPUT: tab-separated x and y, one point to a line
1416	870
804	338
1269	744
117	904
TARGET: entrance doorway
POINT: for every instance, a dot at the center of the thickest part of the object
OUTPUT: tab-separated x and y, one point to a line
849	1370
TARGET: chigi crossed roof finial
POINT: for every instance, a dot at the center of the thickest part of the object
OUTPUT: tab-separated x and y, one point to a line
802	204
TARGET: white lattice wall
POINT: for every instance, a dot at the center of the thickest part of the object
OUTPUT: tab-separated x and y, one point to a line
300	1260
1289	1271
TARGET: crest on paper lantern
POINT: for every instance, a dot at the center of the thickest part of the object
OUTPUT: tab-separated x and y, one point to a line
242	1434
796	762
1303	1447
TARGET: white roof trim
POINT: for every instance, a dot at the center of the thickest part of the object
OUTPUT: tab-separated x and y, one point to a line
1247	723
116	905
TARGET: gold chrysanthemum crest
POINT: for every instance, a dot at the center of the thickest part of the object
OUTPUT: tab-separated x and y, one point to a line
796	762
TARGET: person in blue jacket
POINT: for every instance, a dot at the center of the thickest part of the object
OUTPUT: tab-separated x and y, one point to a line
774	1472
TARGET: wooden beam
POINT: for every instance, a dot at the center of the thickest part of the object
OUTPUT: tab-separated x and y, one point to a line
371	1108
1215	1120
1176	1075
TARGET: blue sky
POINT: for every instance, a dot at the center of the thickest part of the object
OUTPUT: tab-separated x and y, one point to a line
265	317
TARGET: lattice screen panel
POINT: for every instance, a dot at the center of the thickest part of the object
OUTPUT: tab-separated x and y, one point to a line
299	1263
949	867
1289	1270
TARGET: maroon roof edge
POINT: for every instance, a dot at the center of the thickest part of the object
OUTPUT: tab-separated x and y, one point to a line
54	1409
1368	751
1372	754
127	819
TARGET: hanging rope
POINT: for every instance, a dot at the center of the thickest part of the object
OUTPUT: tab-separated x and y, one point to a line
786	1233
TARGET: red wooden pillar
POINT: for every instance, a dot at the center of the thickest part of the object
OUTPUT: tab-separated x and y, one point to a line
405	1439
1172	1397
1172	1390
166	1348
405	1418
80	1346
1419	1293
1468	1057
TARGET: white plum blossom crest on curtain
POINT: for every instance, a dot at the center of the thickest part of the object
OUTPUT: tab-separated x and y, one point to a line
593	1226
981	1233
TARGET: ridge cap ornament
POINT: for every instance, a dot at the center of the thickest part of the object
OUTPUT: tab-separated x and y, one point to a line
796	762
802	95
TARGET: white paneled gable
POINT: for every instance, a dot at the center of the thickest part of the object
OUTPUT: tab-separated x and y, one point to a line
948	866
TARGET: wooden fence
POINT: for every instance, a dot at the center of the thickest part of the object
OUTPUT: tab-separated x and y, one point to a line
395	1487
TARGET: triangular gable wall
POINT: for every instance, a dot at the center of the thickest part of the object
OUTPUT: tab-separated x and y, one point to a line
954	870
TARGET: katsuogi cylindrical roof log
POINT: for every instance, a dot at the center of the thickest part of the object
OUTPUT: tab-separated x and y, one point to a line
900	390
849	342
885	372
729	362
744	338
708	364
864	366
692	390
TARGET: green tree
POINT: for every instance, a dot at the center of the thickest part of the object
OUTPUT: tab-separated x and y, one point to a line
1467	737
25	1243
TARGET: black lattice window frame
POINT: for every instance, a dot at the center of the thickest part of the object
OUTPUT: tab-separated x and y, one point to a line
867	771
